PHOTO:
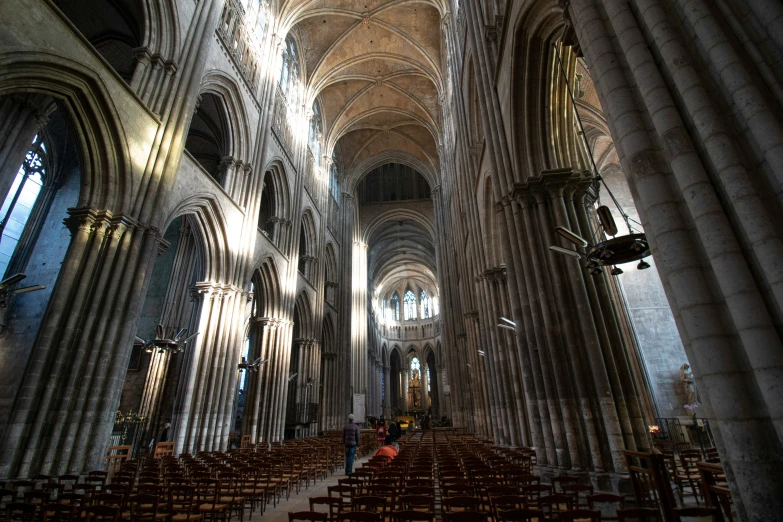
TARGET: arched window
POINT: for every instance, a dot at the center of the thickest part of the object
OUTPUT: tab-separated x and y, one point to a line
289	72
410	306
20	200
435	306
425	305
334	185
415	365
395	307
316	131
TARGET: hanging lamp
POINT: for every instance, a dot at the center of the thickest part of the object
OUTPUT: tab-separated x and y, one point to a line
603	250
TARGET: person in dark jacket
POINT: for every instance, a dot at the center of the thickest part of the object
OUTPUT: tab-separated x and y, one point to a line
351	441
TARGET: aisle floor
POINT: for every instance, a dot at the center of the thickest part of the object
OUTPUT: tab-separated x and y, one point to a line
300	502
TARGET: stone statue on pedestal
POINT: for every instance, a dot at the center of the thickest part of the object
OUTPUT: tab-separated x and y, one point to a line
688	385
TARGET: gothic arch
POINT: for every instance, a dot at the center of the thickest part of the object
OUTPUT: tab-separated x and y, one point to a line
210	222
268	291
105	168
304	328
536	28
330	275
357	172
225	87
308	243
275	194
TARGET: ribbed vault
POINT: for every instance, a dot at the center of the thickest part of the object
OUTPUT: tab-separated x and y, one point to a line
376	67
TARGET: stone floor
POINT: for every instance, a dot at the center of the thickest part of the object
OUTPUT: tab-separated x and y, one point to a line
300	502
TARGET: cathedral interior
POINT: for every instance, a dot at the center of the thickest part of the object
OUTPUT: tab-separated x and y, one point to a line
551	224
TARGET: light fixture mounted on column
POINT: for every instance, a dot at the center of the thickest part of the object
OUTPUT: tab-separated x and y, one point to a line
8	282
603	251
166	340
251	367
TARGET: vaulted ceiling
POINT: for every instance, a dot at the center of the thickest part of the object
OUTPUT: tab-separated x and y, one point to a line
377	69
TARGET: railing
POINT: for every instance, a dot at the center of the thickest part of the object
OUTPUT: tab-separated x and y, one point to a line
409	331
302	413
699	432
128	430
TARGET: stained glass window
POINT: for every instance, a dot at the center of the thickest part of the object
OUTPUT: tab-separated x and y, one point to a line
395	307
425	305
410	306
20	200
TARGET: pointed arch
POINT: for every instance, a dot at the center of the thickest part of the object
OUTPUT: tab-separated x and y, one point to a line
226	88
268	294
105	167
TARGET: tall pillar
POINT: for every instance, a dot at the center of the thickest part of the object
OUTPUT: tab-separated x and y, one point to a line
699	209
75	372
359	322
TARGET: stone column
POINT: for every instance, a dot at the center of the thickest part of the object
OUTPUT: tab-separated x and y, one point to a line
713	264
74	375
359	323
386	391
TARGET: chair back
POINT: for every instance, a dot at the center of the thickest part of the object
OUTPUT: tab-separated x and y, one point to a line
697	513
639	514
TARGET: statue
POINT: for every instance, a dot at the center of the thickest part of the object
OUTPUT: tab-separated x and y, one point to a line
688	385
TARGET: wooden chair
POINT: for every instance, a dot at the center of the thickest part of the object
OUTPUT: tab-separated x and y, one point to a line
465	516
412	516
579	494
580	514
334	506
462	503
343	493
370	504
101	513
534	492
307	516
208	499
607	504
683	514
507	502
57	513
559	481
20	511
552	505
163	449
181	504
420	503
360	516
638	515
690	475
519	515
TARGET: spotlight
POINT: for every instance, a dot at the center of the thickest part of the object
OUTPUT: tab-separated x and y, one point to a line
481	353
591	264
643	265
509	321
595	271
571	237
616	270
564	251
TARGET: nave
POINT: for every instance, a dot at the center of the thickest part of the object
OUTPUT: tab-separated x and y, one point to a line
446	475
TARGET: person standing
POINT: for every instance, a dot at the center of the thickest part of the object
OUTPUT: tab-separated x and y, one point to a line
164	436
350	441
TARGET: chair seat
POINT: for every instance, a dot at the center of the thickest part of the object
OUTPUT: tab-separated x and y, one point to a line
212	507
184	517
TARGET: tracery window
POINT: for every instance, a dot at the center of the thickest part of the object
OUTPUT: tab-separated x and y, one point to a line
410	306
334	185
20	200
425	305
415	365
395	307
316	131
289	72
